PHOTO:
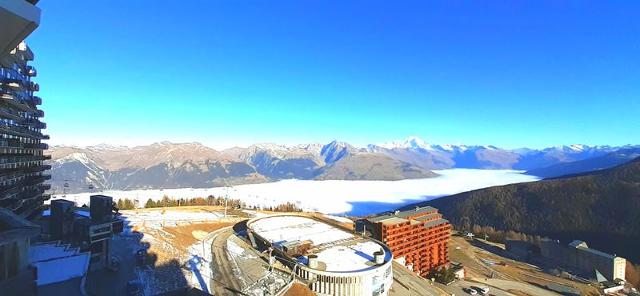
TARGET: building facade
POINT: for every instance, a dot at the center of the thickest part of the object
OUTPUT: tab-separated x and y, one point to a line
17	275
579	257
22	172
22	168
18	19
417	238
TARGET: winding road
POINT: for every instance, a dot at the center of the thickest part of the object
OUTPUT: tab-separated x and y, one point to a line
223	280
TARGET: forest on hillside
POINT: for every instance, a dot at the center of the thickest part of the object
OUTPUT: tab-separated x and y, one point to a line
602	208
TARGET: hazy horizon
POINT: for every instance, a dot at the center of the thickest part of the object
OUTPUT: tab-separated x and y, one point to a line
218	146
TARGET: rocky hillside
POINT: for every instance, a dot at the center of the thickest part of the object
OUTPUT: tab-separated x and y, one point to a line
169	165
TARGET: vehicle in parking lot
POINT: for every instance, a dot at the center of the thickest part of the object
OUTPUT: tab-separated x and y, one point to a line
481	290
471	291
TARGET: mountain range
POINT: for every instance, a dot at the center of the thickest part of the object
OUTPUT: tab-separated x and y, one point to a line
176	165
600	207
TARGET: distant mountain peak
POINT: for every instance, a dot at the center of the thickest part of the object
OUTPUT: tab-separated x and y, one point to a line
105	146
75	156
335	151
411	142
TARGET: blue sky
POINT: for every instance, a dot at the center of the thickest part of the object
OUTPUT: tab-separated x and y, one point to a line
226	73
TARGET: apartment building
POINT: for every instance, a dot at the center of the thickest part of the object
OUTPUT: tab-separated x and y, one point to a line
417	238
22	171
22	168
580	257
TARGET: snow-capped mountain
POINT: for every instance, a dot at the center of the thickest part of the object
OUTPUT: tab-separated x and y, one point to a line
174	165
418	152
171	165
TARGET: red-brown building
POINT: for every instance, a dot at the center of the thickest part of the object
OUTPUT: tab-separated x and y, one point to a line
417	238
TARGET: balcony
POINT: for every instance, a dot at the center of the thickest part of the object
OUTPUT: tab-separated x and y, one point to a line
10	143
41	146
11	84
34	86
18	18
9	173
7	96
10	114
37	100
21	160
31	71
28	181
21	131
32	122
14	99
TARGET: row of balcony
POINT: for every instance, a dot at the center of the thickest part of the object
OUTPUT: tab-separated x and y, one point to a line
414	245
19	97
21	131
28	181
17	101
16	84
28	170
18	174
9	199
417	232
422	241
15	143
426	257
31	207
19	120
16	158
20	165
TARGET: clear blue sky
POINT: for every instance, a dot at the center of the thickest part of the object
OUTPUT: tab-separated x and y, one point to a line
230	72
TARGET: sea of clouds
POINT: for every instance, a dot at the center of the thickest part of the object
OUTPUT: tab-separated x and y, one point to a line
334	196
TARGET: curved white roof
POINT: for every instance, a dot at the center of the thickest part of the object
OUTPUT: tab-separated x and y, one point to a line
339	250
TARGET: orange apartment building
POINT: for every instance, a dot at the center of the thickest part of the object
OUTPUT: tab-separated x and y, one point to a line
417	238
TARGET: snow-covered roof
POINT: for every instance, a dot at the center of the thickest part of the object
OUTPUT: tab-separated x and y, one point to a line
339	250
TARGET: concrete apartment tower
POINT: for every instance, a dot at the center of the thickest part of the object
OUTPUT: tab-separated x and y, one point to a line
22	171
22	168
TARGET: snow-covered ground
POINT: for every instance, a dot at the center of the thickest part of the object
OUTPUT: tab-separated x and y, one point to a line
199	263
57	262
334	196
338	219
282	229
197	257
158	218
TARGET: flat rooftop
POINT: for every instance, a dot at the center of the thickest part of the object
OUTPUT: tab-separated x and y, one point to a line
337	250
393	221
404	214
435	223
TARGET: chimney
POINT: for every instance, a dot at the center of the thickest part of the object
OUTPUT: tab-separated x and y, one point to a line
378	257
313	261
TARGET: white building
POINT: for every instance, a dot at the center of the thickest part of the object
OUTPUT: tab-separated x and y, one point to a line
331	261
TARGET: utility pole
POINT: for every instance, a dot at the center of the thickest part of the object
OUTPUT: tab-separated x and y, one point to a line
226	196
